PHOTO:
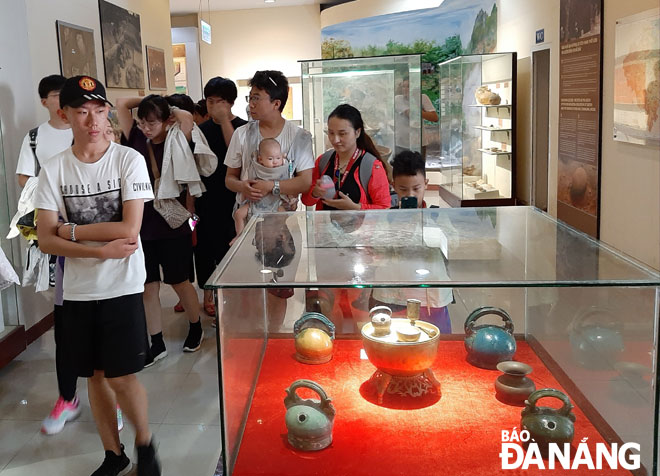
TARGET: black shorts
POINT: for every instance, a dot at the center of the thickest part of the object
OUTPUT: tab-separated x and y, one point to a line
174	255
108	335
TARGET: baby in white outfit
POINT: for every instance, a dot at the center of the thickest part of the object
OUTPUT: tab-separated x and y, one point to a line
270	165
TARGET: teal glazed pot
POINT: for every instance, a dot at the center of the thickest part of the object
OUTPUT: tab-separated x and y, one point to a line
596	342
548	425
308	422
488	345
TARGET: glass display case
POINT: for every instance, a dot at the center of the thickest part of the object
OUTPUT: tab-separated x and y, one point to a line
385	89
584	317
477	129
8	296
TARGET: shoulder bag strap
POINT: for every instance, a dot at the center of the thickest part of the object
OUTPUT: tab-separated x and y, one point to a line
33	145
152	160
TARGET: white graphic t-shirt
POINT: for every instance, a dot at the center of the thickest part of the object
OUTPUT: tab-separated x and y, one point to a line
402	107
94	193
50	142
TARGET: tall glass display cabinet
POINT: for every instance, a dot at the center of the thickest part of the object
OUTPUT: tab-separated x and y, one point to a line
8	296
299	294
478	129
385	89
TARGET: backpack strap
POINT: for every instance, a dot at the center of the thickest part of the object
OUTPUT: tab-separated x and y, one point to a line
325	160
33	145
365	172
365	168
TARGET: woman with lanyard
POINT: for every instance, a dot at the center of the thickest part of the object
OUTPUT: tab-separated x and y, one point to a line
353	150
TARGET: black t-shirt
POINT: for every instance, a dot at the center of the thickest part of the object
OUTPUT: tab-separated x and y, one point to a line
154	226
217	201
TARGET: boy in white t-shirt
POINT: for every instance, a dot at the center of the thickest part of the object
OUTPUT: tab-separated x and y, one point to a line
50	138
99	187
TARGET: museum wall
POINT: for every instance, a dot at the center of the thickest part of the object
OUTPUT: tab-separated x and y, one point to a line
518	21
154	24
245	41
630	174
28	29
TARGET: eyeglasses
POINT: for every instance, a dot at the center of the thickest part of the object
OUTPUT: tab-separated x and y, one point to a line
253	99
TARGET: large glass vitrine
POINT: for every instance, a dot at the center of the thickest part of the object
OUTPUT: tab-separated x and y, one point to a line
584	316
385	89
8	297
477	129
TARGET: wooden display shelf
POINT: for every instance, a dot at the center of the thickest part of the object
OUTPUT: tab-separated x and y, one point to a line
492	129
490	105
490	152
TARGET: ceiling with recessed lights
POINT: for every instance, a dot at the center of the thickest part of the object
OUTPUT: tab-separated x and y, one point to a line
182	7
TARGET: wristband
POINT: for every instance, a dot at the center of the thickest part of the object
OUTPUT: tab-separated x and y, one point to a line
72	233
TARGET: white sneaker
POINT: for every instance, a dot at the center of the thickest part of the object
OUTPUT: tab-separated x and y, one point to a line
62	412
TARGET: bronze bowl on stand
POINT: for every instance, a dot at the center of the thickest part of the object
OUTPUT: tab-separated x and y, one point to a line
404	367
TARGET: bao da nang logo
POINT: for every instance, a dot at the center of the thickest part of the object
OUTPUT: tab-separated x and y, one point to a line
520	451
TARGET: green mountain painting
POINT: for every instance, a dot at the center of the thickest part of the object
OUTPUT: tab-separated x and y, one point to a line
454	28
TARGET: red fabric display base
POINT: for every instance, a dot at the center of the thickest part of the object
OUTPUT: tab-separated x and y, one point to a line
457	433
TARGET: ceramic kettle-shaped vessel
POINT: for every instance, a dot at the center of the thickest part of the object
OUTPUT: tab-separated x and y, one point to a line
545	424
309	422
489	344
313	345
595	338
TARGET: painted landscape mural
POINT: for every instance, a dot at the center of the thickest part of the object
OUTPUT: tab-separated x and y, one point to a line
457	27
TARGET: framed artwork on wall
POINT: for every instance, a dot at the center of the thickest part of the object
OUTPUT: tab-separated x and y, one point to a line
77	50
637	78
156	68
122	47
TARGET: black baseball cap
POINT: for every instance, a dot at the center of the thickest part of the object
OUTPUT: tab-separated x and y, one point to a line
80	89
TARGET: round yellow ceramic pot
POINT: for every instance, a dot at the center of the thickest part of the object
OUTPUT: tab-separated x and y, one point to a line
313	344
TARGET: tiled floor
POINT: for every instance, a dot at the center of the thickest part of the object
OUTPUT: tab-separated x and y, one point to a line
183	409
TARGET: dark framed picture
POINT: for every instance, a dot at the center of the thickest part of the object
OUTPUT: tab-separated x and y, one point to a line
77	50
122	47
156	68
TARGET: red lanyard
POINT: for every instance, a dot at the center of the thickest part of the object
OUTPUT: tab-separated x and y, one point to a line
337	176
